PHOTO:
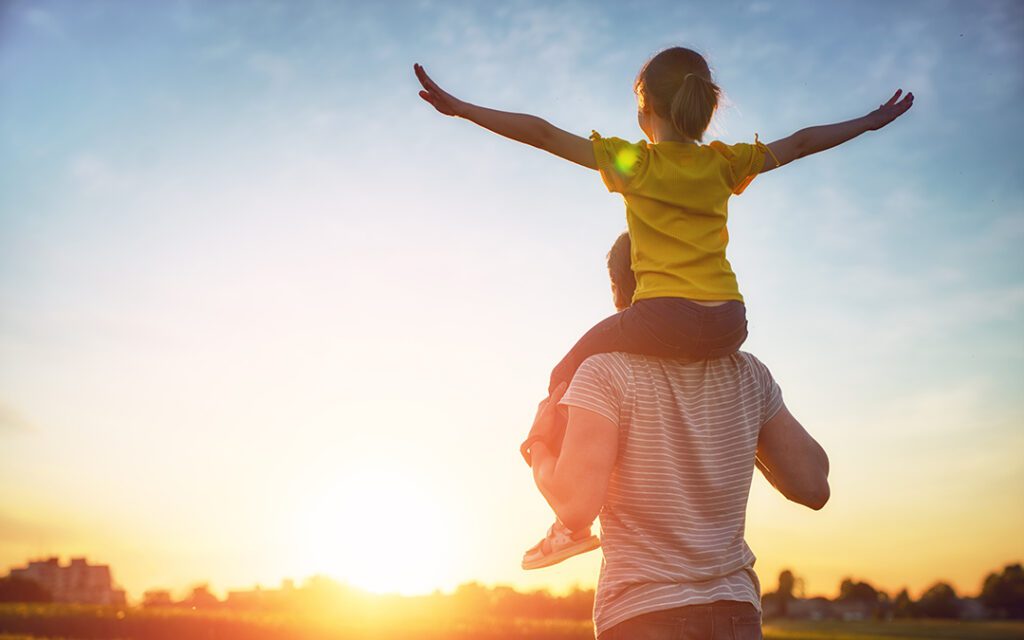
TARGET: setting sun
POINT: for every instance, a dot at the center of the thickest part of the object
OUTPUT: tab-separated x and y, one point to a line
379	531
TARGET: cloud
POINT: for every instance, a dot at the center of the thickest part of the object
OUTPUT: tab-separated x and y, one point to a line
37	534
221	49
564	45
1002	233
274	67
42	21
95	175
12	421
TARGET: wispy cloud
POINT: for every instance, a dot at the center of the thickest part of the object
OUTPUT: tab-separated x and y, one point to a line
42	21
95	175
11	421
272	66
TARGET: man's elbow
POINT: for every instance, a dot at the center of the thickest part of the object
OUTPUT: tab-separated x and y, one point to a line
816	496
820	498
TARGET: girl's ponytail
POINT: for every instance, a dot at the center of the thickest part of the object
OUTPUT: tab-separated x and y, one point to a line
693	105
677	84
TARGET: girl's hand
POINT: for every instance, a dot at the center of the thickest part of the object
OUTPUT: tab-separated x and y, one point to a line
520	127
441	100
886	113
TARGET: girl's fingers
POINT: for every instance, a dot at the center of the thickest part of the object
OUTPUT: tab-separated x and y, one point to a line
894	97
424	79
429	99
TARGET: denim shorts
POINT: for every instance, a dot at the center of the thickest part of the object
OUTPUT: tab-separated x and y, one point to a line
662	327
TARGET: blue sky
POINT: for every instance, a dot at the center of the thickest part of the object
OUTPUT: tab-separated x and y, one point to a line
239	258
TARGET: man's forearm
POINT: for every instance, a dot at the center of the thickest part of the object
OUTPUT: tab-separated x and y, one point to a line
810	488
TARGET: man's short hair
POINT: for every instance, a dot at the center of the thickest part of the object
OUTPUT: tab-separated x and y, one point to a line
620	270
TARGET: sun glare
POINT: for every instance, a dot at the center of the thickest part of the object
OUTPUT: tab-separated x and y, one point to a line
378	531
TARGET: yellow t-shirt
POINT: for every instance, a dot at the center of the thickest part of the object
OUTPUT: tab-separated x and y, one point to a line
676	209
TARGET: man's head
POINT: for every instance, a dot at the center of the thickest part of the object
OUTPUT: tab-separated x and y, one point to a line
620	270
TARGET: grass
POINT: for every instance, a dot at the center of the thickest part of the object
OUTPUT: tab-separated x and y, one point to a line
71	622
897	629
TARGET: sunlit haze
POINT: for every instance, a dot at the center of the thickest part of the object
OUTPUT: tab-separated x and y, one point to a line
265	314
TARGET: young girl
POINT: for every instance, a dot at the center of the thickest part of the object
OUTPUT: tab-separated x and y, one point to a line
687	303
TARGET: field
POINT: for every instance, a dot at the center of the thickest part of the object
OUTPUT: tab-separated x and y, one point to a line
52	622
932	629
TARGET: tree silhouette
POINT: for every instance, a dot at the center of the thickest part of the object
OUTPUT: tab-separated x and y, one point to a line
852	591
863	596
1003	593
201	598
786	583
903	606
940	601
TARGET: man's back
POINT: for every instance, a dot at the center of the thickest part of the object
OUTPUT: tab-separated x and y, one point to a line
673	518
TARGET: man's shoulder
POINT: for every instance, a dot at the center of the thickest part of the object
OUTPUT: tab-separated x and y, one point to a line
613	359
604	365
630	365
752	362
625	359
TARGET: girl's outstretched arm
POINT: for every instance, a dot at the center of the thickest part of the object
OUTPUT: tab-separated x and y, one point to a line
517	126
815	139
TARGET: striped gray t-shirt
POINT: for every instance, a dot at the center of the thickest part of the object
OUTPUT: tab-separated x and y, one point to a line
673	520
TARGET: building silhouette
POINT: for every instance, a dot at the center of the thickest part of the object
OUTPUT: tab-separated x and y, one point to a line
78	582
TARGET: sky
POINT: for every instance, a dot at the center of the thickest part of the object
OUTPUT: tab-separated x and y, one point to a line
265	314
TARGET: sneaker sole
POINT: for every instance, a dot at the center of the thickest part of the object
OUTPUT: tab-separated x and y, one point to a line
583	546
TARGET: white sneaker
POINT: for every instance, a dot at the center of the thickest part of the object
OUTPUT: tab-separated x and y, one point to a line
559	544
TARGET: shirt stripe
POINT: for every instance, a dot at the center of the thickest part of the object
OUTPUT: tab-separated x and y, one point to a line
672	525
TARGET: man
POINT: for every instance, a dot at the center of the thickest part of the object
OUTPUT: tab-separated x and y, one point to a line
664	451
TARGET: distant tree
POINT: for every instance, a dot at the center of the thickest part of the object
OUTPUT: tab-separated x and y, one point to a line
473	597
852	591
157	598
785	592
14	589
903	606
863	596
1003	593
940	601
884	607
201	598
579	604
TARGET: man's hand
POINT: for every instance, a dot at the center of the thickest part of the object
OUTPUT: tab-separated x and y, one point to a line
546	425
440	99
886	113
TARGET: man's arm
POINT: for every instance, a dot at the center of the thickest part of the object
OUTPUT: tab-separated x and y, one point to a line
575	482
792	461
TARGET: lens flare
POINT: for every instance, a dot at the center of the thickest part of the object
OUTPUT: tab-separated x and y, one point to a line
626	159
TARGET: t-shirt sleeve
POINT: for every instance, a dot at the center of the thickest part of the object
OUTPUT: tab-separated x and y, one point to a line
745	162
599	386
771	394
619	161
